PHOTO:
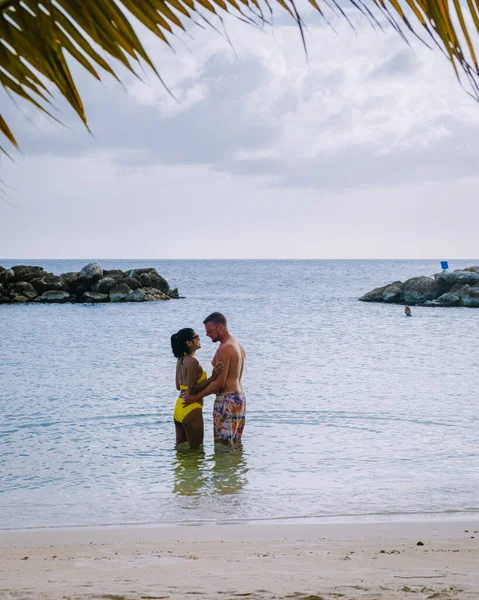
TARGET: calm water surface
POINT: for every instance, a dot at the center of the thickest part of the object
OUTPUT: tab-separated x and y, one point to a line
352	408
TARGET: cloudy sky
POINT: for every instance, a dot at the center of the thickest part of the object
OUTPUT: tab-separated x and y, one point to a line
365	148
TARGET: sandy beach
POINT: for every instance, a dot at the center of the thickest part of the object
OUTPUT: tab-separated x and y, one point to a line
433	560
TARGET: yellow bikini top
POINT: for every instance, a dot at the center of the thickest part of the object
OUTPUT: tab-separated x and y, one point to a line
200	379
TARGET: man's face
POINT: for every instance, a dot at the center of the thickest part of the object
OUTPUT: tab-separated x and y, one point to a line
211	331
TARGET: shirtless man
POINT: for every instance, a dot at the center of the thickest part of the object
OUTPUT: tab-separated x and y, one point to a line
229	409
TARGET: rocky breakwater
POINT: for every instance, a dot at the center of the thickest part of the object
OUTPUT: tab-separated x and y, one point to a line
91	284
458	288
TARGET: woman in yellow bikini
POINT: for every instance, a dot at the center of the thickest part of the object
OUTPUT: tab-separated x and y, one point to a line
191	378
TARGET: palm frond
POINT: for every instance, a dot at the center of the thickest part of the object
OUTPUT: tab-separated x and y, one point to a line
36	36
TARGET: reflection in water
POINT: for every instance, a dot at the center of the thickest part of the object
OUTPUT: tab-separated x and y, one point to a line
223	472
228	474
189	467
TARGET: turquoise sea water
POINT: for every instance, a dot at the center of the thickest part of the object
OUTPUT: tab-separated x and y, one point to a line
352	408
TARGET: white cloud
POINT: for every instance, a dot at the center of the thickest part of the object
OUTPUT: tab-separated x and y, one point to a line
300	156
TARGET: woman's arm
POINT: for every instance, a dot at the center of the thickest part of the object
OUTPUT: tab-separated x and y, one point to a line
213	387
199	387
177	375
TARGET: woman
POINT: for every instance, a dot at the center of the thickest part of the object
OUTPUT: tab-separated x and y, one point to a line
190	378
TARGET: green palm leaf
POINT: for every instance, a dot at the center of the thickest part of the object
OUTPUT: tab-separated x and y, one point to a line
36	36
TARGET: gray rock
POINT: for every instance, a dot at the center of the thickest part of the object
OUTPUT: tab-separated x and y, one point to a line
49	283
115	274
158	282
70	280
460	290
154	294
2	269
54	296
104	285
134	284
24	273
135	273
393	292
375	295
471	298
137	296
150	278
419	289
473	268
23	288
119	292
448	299
95	297
91	271
2	289
7	275
174	293
448	280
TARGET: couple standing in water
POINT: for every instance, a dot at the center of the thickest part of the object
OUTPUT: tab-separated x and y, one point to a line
229	409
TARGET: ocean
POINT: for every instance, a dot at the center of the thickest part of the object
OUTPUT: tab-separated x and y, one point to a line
354	411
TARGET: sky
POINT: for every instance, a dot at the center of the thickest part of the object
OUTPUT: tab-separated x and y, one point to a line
363	148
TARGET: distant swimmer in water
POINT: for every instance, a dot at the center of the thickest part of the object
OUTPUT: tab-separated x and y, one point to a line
407	311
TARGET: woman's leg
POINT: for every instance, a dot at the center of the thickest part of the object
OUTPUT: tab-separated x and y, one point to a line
180	433
194	428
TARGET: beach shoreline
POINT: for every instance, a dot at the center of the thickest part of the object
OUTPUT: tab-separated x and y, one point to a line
383	560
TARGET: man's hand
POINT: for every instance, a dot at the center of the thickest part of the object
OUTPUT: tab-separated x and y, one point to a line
189	399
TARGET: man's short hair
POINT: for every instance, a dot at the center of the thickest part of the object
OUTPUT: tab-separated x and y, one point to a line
216	318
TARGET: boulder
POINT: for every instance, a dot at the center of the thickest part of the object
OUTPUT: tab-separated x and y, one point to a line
448	299
460	290
135	273
154	294
24	273
393	292
134	284
7	275
54	296
375	295
115	274
119	292
174	293
447	280
23	288
2	269
137	296
20	299
104	285
94	297
158	282
471	298
70	280
474	269
419	289
90	272
49	283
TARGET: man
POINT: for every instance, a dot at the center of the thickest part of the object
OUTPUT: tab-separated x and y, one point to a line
229	409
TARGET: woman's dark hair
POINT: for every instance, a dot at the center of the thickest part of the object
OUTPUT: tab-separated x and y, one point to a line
178	341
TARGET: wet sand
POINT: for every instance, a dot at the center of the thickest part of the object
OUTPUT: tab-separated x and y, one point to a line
371	561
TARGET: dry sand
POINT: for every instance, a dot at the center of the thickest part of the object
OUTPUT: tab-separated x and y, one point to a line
329	561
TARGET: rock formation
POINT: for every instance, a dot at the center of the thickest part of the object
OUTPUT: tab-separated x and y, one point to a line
458	288
92	284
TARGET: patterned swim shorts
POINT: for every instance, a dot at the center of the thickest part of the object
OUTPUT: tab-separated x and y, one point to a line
229	412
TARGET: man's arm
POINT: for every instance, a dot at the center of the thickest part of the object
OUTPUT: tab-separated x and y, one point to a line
214	387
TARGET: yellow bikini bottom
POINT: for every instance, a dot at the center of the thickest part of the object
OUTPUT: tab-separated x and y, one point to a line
182	411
